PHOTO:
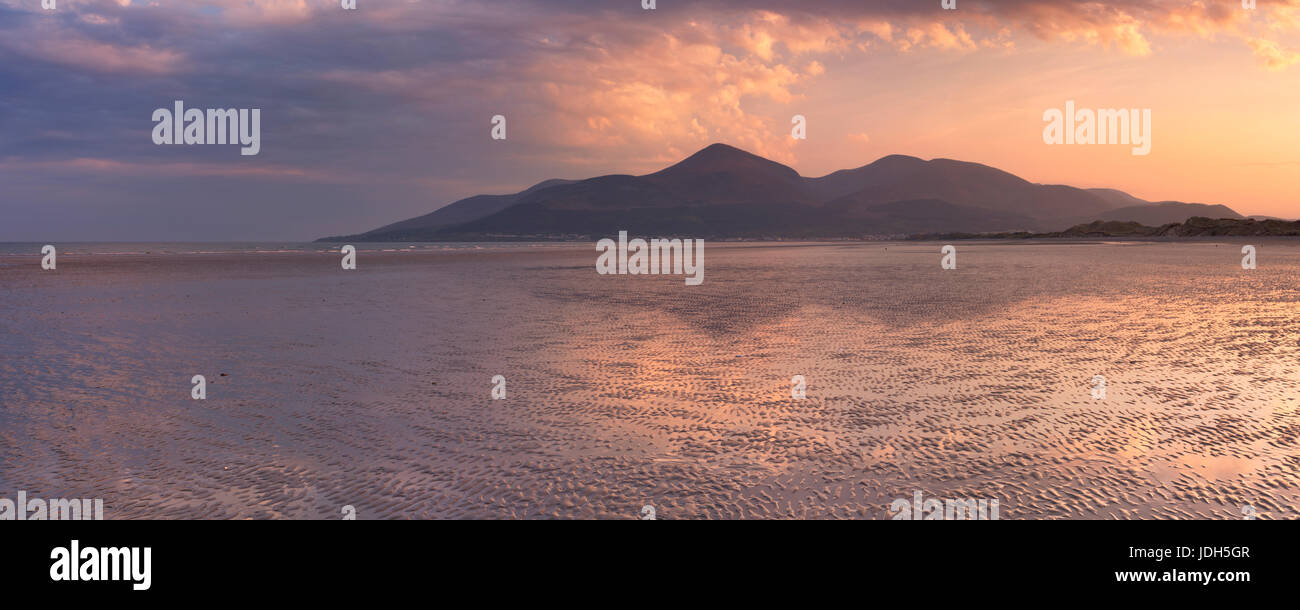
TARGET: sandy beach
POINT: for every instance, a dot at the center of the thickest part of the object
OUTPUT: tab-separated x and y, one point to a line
372	388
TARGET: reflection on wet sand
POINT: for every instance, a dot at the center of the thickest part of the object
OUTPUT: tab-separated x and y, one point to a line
372	388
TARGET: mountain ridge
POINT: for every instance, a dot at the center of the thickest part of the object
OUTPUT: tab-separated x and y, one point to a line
723	191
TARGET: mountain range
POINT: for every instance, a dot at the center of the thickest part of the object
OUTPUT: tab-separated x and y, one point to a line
724	192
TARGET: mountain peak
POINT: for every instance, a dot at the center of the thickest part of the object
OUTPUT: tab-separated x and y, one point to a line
721	146
720	149
724	158
899	158
725	174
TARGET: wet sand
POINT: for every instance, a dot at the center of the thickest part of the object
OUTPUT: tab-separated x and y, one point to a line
371	387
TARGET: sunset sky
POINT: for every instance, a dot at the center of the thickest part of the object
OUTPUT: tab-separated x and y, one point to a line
381	113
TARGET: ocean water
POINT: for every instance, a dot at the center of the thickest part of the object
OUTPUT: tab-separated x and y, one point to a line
372	388
24	249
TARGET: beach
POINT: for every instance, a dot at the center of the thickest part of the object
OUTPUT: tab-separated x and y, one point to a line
372	388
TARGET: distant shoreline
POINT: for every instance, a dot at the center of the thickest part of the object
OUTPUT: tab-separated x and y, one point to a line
1196	227
1192	229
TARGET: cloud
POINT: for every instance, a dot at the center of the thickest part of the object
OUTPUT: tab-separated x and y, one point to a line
175	168
936	36
611	90
400	91
1123	25
1271	55
93	56
638	95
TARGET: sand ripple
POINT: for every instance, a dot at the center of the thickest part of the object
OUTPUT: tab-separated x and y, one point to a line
372	388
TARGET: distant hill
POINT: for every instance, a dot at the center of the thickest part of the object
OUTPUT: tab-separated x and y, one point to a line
1262	217
1165	212
1207	227
902	178
461	211
722	191
1118	198
1192	227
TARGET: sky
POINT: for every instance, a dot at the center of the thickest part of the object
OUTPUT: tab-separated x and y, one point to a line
381	113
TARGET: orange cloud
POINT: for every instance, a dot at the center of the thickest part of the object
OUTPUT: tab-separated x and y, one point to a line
1271	55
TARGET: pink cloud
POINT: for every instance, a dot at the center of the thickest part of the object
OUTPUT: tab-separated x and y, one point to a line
97	56
154	168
